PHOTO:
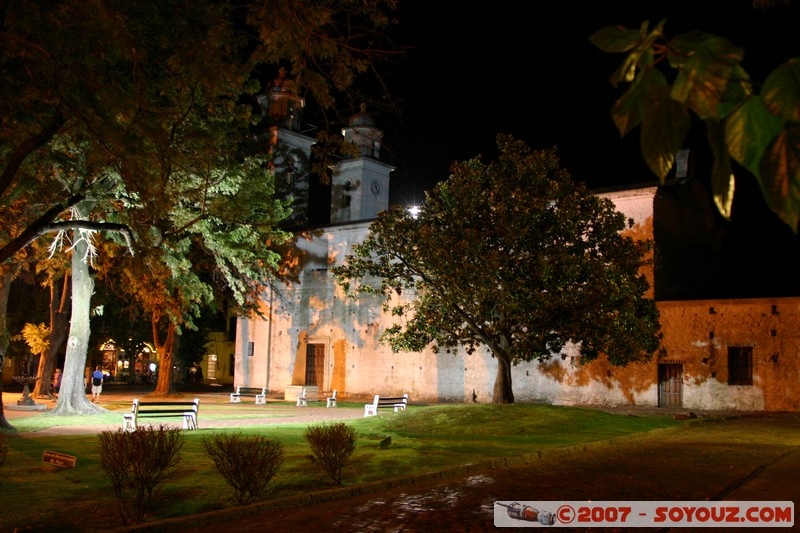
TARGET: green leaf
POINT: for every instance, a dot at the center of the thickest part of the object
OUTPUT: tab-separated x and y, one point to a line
615	39
683	47
781	91
722	179
641	55
749	131
705	64
664	126
780	181
627	111
627	70
739	88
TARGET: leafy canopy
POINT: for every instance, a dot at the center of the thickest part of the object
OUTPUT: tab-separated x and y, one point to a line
143	112
702	73
513	255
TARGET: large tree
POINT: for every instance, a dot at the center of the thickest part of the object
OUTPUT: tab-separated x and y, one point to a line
512	255
755	125
7	273
210	250
152	91
59	286
18	270
72	398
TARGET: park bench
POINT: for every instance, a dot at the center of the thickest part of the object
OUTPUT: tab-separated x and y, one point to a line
260	394
304	398
157	409
330	401
397	403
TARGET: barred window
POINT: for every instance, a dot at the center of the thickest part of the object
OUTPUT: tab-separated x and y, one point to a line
740	365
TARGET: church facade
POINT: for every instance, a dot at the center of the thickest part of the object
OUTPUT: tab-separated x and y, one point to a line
718	354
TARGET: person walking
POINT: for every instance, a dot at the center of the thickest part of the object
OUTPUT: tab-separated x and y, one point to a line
97	384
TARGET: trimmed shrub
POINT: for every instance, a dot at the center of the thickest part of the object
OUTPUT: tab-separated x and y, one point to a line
136	462
331	447
247	464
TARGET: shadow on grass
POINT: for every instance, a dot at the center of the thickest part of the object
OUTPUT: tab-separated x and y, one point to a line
423	439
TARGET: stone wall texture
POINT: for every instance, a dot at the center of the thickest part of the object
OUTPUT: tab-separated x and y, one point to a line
309	322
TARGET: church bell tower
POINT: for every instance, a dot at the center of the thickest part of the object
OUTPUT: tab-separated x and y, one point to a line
282	111
360	183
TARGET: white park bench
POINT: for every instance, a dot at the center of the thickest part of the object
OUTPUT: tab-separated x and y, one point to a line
398	403
260	394
330	401
304	398
155	409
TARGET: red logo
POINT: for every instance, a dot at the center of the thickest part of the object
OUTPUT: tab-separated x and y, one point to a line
565	514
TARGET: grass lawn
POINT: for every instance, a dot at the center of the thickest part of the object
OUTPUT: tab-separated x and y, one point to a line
35	495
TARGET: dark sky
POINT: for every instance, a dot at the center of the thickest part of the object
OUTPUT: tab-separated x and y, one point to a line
479	68
527	68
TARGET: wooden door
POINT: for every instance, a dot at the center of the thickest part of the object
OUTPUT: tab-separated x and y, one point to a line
315	365
670	385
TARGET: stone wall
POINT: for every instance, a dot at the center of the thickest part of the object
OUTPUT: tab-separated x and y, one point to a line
311	312
700	335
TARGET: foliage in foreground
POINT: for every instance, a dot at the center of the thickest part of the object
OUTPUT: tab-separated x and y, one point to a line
512	255
136	462
701	74
247	464
331	447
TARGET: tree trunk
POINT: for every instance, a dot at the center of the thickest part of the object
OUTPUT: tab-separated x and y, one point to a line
9	271
59	290
503	392
164	385
72	399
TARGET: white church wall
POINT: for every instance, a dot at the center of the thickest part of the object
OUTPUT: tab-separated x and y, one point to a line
635	204
312	309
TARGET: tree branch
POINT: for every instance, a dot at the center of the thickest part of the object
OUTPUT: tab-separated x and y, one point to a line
45	224
31	232
26	148
92	226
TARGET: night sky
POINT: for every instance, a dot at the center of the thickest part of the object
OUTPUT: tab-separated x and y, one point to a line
527	68
479	68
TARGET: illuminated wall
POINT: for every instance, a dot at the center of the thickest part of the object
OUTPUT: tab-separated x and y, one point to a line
310	322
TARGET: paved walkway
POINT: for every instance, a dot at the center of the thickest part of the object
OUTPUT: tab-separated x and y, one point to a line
726	460
465	503
775	481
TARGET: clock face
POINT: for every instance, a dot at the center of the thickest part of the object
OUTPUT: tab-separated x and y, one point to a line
375	187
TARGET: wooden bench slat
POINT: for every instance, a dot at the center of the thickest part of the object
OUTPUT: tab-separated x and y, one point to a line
162	412
165	403
139	409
